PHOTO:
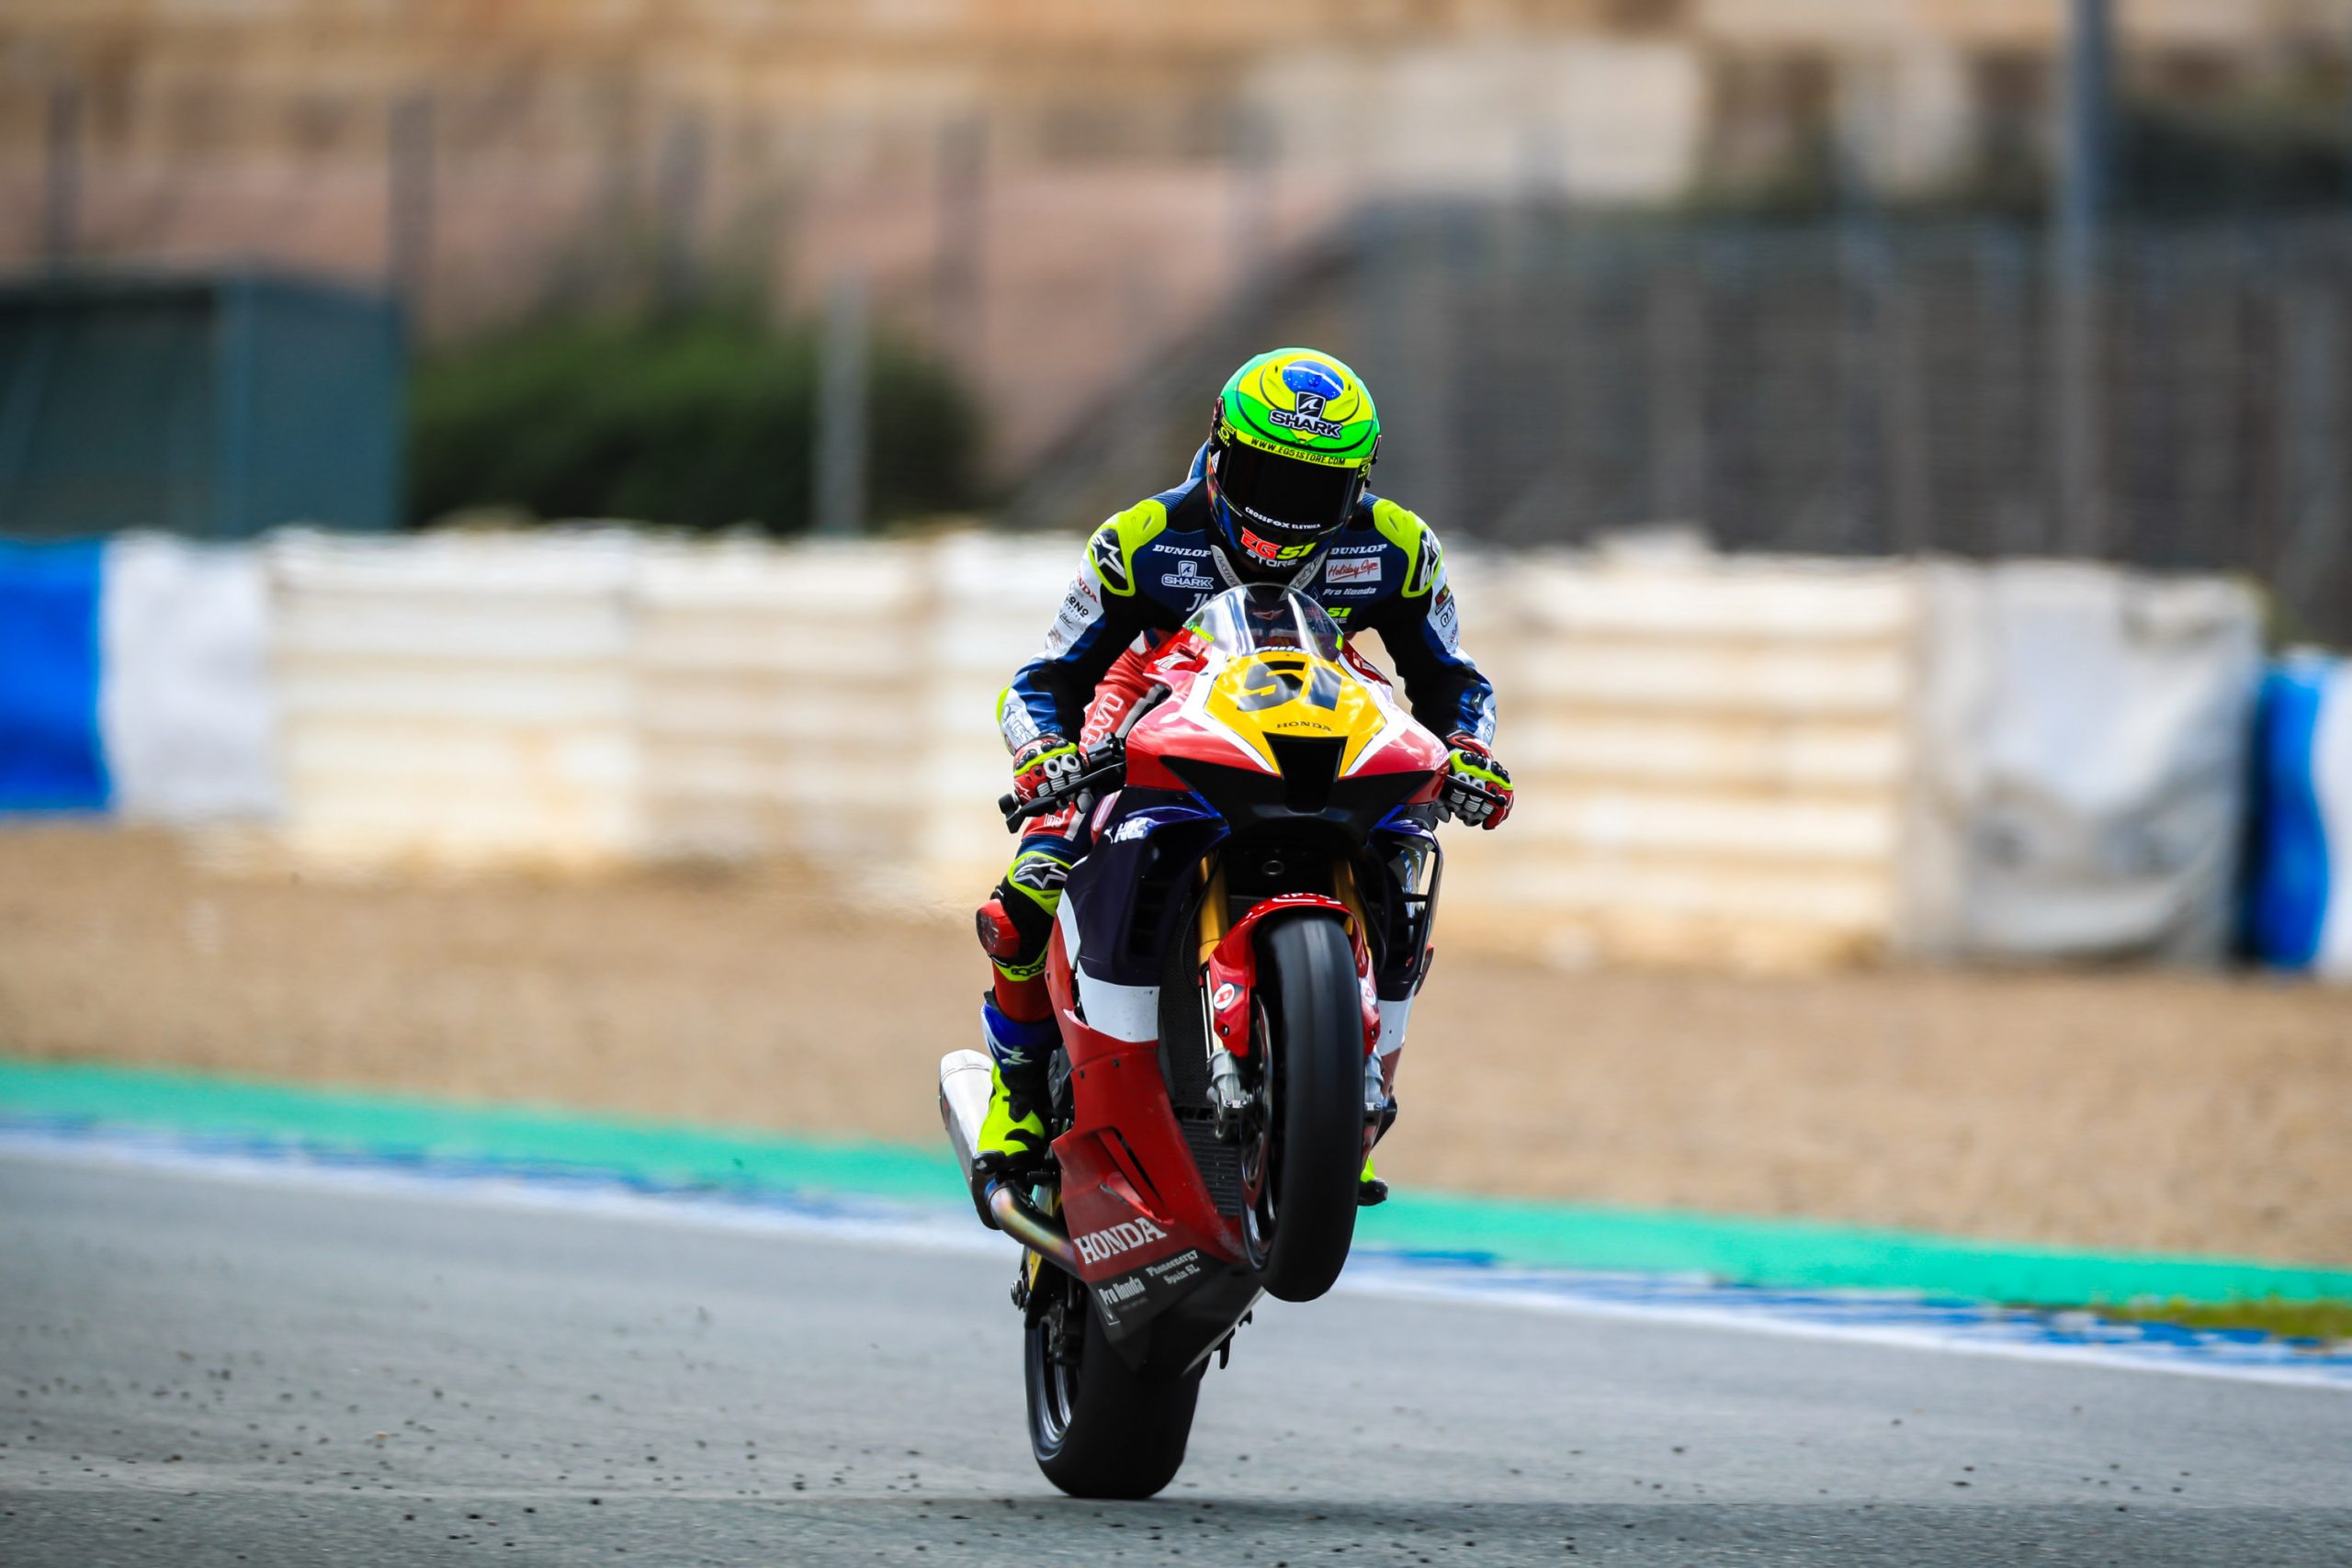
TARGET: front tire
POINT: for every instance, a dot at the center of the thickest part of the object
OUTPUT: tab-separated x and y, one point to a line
1300	1216
1098	1428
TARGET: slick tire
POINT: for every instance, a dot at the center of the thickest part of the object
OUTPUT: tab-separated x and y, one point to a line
1100	1429
1317	1062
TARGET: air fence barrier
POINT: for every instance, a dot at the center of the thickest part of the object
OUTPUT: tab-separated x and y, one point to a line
1758	762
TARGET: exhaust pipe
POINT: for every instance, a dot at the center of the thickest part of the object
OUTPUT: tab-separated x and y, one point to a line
964	1080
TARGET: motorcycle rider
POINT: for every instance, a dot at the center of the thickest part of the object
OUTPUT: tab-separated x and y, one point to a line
1276	495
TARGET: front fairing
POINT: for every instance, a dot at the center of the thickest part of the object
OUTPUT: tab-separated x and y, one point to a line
1244	719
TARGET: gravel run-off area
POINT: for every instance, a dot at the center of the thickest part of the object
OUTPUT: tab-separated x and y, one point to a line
2104	1109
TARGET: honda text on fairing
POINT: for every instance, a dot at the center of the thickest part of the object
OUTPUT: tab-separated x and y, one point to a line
1258	840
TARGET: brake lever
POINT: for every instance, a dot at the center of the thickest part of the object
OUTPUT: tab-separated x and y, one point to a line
1015	812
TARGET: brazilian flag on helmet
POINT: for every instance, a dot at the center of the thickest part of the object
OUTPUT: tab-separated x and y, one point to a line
1290	452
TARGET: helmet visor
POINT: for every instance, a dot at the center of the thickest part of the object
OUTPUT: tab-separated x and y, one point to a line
1286	502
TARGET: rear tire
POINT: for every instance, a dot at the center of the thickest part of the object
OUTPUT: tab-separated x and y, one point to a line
1308	977
1099	1428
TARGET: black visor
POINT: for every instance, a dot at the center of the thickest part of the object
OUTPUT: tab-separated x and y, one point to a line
1293	501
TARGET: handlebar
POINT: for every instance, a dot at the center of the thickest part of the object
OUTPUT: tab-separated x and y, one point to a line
1110	772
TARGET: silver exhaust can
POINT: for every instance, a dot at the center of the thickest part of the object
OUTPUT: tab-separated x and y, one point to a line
966	1078
966	1082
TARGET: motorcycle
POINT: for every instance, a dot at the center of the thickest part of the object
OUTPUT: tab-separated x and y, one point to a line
1259	842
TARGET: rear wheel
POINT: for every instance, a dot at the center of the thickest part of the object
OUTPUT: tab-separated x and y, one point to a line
1302	1148
1098	1428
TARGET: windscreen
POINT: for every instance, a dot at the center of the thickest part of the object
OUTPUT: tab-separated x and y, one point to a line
1266	615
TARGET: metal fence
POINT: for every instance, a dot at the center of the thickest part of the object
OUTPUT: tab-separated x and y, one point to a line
1856	387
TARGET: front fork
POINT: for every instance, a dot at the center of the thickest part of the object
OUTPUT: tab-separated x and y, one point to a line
1230	1012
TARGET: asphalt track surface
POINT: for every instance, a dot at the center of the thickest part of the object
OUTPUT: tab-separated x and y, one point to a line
196	1371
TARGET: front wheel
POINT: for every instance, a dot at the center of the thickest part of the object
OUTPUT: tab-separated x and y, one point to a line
1304	1148
1098	1428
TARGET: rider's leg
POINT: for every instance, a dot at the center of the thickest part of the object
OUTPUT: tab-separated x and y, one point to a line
1370	1189
1395	988
1016	1015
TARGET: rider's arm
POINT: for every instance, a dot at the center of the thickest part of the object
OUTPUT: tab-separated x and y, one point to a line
1420	627
1101	615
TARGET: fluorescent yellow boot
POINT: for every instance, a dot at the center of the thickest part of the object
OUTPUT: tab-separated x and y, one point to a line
1013	1136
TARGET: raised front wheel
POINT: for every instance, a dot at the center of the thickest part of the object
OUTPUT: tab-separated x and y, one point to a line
1302	1144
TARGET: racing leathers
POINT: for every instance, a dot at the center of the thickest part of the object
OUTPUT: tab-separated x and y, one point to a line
1145	572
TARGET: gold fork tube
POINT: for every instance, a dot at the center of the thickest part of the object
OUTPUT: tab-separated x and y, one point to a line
1212	912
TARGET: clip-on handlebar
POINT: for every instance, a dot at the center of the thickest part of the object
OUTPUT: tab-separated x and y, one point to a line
1108	773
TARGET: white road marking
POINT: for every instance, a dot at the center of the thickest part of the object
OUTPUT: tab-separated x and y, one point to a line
1890	1320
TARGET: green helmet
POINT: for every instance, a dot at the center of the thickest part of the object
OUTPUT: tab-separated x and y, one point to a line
1290	451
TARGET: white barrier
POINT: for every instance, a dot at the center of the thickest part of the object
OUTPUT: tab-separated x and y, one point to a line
187	707
773	688
455	699
1712	752
1751	762
2083	759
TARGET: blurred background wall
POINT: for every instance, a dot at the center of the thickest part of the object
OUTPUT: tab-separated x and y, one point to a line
1886	280
1778	267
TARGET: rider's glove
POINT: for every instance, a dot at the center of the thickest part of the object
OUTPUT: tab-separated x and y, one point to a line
1047	762
1477	788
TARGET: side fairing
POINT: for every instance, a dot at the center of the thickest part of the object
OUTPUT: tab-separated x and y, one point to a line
1129	890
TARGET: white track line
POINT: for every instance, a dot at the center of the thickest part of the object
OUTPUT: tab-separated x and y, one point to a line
1891	1320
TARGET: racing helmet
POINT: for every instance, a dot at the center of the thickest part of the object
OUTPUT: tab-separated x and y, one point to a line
1291	446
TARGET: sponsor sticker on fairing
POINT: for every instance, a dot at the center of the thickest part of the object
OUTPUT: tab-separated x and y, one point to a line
1172	1271
1352	568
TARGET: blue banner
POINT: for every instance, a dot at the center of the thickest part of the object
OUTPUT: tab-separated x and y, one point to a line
2291	891
51	755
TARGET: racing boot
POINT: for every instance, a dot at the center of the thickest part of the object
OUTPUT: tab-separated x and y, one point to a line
1380	1108
1013	1138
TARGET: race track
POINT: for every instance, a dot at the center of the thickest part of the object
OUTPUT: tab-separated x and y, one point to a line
201	1371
